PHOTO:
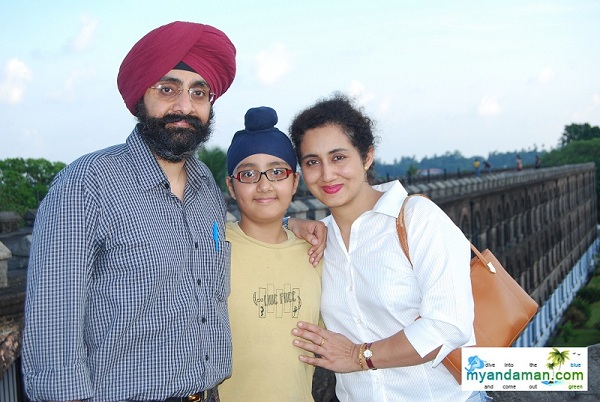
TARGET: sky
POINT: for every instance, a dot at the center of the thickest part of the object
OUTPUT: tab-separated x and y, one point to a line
474	76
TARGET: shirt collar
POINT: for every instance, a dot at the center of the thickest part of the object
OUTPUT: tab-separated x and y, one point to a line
392	198
197	172
389	203
149	172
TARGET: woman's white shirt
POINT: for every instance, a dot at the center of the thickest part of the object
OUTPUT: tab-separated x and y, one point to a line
371	292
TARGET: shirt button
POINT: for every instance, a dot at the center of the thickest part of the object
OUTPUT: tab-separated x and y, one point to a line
203	320
350	288
198	281
196	245
358	321
206	357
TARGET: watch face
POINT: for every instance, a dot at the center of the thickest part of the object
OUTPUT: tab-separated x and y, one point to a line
368	354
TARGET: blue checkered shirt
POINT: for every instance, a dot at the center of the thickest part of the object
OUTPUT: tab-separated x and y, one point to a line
127	285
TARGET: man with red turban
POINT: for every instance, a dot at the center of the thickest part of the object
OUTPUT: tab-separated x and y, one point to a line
129	270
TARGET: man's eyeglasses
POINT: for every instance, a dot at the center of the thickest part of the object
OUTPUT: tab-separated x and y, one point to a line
170	92
254	176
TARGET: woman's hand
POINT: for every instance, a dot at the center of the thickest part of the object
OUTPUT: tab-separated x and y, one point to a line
314	232
337	352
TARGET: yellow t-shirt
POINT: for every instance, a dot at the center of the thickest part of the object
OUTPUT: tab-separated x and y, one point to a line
273	286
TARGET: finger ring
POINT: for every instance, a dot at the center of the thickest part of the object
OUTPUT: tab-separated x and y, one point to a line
322	343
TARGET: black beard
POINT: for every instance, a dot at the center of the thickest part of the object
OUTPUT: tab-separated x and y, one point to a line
173	144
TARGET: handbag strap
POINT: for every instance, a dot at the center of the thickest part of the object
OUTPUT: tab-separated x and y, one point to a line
401	229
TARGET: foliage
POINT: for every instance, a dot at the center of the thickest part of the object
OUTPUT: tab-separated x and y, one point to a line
579	312
589	333
397	169
25	182
589	294
216	160
412	171
576	316
574	152
578	132
453	163
567	332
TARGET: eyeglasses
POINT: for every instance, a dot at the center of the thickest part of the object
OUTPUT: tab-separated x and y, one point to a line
254	176
170	92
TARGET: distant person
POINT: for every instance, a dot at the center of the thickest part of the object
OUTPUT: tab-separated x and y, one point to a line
129	270
538	162
380	312
477	167
519	162
272	283
487	167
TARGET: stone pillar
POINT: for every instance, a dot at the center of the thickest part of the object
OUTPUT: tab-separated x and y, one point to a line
5	255
9	221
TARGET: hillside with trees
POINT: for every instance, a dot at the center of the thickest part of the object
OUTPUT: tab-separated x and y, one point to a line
580	143
453	163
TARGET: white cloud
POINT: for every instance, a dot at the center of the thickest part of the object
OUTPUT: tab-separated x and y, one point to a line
546	75
68	90
85	36
273	63
34	140
14	83
357	90
590	112
385	105
489	106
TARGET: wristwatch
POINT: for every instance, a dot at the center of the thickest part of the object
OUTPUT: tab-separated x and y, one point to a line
368	354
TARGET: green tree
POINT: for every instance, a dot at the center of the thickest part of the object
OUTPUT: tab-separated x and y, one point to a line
25	182
580	151
567	335
557	357
551	366
216	160
579	132
412	172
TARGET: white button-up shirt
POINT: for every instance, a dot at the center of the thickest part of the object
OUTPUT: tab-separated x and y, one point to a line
371	292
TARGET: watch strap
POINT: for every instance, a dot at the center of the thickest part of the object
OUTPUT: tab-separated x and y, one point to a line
368	359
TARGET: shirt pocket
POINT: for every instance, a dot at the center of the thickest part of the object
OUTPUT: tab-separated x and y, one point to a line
223	264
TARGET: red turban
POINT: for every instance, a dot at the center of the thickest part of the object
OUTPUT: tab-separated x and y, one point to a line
204	48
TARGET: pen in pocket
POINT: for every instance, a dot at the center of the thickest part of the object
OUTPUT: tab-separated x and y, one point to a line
216	235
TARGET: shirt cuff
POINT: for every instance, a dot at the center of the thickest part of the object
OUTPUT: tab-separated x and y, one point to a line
63	384
425	338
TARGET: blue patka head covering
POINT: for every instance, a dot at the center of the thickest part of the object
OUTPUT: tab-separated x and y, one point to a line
260	137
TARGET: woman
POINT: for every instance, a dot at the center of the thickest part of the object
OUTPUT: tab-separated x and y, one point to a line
389	326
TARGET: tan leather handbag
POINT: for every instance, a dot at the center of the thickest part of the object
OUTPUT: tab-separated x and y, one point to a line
502	308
